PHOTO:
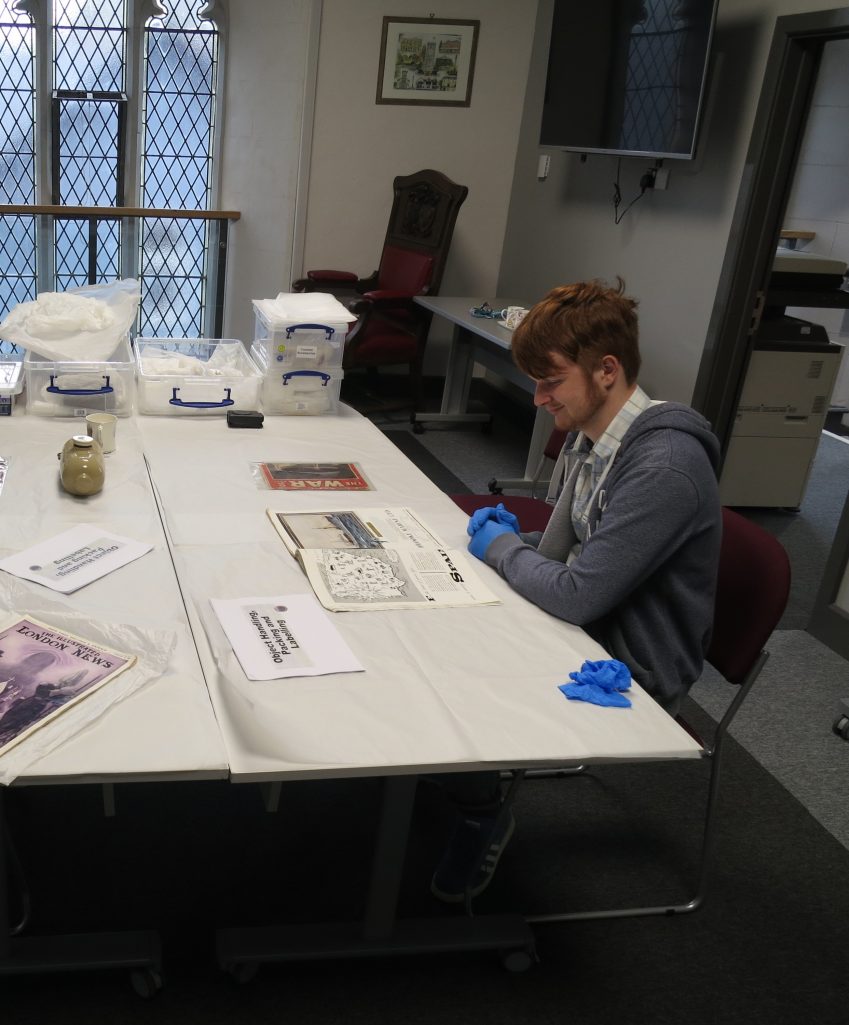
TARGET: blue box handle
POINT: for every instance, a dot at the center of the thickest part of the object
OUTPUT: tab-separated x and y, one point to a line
306	373
226	401
54	390
329	331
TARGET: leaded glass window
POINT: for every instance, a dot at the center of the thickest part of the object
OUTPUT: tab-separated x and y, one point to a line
114	139
17	157
181	65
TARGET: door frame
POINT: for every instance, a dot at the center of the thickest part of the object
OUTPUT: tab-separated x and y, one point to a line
767	179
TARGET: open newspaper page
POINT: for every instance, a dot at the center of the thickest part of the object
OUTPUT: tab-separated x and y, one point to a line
348	528
357	579
378	558
44	671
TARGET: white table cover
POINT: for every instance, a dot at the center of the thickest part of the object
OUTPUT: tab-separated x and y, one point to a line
166	729
443	689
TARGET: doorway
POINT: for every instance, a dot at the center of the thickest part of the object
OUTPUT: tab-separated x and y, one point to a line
789	82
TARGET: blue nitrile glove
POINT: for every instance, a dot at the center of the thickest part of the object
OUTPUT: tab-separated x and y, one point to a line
600	683
485	535
491	512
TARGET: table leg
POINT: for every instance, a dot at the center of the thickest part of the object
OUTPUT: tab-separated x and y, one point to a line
458	381
242	950
137	951
533	479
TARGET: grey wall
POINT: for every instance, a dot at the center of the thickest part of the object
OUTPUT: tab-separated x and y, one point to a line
263	109
670	247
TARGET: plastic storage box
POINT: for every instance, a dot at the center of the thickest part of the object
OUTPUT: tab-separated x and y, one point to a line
195	376
290	345
11	383
71	387
298	392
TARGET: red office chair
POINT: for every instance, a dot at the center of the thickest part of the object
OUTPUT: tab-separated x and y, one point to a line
753	586
533	513
391	328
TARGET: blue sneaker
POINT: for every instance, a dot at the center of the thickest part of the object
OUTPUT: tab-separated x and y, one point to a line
471	857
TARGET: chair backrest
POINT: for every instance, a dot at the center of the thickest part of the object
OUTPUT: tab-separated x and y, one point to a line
751	594
421	224
554	444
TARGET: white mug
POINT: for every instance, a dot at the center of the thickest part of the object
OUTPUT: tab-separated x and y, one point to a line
513	316
101	427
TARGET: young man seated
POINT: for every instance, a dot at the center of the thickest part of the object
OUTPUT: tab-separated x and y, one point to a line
632	548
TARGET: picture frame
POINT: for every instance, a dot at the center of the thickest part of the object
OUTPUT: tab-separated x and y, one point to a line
427	62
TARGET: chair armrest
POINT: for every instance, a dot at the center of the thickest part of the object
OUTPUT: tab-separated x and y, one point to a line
334	280
382	299
331	275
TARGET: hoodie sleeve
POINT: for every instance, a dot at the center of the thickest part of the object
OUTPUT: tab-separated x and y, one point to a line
652	506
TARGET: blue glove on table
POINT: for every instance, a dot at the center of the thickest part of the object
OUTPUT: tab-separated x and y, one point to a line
491	512
485	535
600	683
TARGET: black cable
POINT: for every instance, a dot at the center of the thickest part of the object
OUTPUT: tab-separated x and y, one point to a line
617	195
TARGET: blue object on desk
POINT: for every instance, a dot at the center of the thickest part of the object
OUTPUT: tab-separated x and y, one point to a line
600	683
485	310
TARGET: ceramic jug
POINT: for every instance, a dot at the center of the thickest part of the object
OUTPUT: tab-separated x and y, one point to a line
81	466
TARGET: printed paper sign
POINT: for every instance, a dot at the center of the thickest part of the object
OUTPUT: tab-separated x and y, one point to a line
286	636
74	558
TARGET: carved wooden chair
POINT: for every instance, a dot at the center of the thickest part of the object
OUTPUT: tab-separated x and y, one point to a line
391	328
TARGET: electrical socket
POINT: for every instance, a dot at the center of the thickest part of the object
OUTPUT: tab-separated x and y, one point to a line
655	178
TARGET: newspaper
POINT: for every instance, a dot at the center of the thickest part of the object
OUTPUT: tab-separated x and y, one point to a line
44	671
378	558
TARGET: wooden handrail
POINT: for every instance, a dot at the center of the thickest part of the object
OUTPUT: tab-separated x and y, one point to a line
117	212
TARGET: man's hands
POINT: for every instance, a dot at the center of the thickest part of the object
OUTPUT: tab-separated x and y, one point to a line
491	512
486	524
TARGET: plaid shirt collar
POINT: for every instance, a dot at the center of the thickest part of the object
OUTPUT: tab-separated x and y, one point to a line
609	442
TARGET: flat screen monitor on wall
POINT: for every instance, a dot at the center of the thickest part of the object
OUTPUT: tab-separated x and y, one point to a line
627	76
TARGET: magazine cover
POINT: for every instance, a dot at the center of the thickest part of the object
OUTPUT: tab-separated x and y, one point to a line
314	477
43	671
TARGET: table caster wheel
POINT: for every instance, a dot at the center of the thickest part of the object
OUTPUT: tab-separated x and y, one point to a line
486	427
841	727
146	982
418	428
517	960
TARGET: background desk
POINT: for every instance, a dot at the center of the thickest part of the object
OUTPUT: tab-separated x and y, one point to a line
480	340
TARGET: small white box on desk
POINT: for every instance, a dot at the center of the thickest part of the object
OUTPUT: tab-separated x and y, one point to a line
195	376
71	387
298	392
297	339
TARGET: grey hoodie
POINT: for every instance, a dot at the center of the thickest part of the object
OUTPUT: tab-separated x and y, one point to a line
643	583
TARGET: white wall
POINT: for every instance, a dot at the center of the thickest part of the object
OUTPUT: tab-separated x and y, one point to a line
359	146
266	67
670	247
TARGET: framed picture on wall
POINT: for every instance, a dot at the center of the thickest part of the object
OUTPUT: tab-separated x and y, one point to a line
427	62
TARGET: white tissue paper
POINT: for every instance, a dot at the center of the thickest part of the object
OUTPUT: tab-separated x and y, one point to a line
80	325
303	307
153	648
